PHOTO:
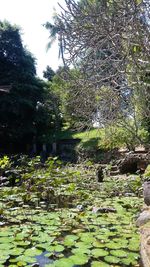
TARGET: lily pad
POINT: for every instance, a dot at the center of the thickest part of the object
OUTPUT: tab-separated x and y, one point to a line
119	253
96	253
79	259
111	259
16	251
31	252
99	264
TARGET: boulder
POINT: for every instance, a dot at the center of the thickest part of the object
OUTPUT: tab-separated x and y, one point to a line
134	162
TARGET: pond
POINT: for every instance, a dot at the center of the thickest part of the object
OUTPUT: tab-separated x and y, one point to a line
86	224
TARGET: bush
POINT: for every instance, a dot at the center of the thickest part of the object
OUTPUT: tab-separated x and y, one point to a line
5	163
147	173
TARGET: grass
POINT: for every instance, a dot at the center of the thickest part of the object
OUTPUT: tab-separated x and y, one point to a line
90	138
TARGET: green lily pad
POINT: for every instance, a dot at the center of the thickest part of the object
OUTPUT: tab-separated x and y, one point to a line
3	258
134	246
83	245
70	240
119	253
65	262
5	233
81	251
59	248
7	246
23	243
24	258
111	259
31	252
99	264
79	259
16	251
98	244
96	253
115	245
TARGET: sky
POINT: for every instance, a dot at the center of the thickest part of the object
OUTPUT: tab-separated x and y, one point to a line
30	15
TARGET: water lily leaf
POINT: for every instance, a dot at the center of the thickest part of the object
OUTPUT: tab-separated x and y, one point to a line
23	243
98	244
81	251
65	262
23	258
128	261
21	263
103	238
134	246
87	238
96	253
79	259
115	245
7	239
16	251
99	264
31	252
119	253
58	248
6	246
83	245
111	259
5	233
21	236
3	258
70	240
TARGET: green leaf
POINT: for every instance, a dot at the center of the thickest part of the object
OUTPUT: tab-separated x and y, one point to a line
79	259
112	259
119	253
99	253
99	264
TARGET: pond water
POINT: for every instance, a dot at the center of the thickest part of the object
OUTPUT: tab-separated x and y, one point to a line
96	228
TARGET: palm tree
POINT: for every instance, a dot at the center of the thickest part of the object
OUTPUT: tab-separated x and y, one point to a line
55	31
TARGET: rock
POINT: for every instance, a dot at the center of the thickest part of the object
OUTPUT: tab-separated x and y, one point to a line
134	162
143	218
145	247
103	210
146	193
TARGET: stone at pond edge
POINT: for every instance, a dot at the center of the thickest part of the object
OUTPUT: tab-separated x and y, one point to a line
146	193
143	218
145	248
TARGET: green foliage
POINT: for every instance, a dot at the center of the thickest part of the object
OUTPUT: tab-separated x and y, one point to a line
43	219
5	162
147	173
48	73
30	109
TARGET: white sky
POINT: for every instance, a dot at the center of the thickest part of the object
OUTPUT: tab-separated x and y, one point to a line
30	15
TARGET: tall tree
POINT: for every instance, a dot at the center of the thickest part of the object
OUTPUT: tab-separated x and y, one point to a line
109	42
20	117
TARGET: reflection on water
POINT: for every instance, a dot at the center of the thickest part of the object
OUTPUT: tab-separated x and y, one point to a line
42	260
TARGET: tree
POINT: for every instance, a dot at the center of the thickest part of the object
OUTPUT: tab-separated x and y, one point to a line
108	43
48	73
20	117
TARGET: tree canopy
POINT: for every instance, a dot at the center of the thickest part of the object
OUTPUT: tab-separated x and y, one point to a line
48	73
24	111
108	43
